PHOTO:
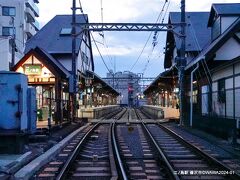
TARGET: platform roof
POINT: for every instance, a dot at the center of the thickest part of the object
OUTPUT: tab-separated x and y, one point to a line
163	81
105	86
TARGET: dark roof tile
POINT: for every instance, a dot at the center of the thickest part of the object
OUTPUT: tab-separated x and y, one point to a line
197	33
223	9
226	9
57	44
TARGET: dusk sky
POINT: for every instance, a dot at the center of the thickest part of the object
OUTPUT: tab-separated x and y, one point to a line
124	48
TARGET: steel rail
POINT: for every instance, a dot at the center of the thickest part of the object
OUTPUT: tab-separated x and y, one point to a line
119	160
73	156
170	169
210	159
121	115
111	156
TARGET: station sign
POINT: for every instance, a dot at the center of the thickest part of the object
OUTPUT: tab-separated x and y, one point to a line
33	69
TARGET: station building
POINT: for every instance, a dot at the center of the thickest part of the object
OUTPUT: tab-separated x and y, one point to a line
48	64
212	53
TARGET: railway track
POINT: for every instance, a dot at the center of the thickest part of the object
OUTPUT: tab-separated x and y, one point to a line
139	157
137	154
94	159
120	150
188	161
80	150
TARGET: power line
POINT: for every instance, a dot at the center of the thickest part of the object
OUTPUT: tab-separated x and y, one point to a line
102	34
100	53
156	34
159	16
81	9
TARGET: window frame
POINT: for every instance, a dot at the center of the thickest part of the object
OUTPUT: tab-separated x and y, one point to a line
7	27
216	29
7	11
66	32
222	90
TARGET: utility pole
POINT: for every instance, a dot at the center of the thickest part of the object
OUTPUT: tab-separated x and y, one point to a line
13	42
73	94
182	64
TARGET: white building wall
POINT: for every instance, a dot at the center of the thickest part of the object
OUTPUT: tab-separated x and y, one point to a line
226	22
237	96
228	71
237	68
230	84
237	91
5	55
20	22
229	97
205	91
228	51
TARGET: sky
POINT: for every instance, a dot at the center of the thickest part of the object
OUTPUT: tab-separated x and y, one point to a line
121	50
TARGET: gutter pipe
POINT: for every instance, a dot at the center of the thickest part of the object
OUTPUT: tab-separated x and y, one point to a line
191	98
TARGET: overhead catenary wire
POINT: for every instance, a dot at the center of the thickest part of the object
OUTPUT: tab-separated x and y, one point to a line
155	37
100	53
158	18
102	34
81	9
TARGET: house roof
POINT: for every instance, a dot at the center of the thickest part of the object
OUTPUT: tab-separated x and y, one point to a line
164	77
198	35
209	52
56	44
106	86
224	9
54	66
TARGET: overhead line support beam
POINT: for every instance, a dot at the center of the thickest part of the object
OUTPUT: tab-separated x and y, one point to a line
128	26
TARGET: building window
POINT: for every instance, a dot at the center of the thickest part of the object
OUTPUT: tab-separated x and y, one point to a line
216	29
7	31
221	91
66	31
8	11
195	96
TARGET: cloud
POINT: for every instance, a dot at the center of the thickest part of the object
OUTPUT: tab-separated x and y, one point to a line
115	51
125	46
120	10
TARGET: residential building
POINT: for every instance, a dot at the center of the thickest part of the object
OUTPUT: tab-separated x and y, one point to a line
213	95
219	89
163	91
18	24
127	84
48	64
